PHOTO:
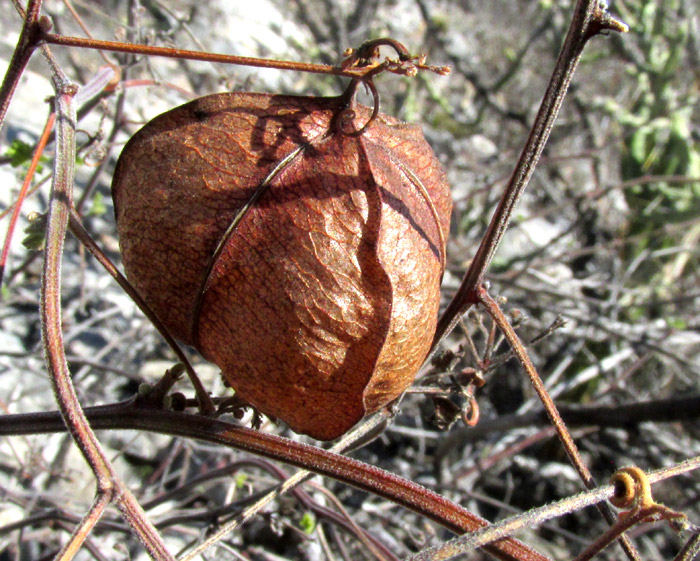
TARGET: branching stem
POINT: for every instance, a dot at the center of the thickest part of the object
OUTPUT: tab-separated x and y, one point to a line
109	486
491	306
590	18
27	43
342	468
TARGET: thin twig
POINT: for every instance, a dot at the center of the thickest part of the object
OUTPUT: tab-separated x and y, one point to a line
27	43
536	517
555	418
109	487
624	415
84	527
342	468
38	151
590	18
77	229
348	71
84	27
501	320
690	550
366	430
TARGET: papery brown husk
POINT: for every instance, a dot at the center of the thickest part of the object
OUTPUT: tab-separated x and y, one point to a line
321	304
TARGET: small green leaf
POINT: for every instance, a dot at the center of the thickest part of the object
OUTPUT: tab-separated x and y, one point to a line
241	479
676	323
307	523
510	54
35	232
20	154
98	207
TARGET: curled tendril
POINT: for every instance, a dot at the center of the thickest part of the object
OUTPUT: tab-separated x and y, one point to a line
632	489
470	414
367	56
346	117
633	492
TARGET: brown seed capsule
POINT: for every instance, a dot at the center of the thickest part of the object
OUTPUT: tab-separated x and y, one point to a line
304	260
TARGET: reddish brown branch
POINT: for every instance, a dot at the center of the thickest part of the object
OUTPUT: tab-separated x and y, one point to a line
131	48
554	417
109	487
366	69
28	41
363	476
590	18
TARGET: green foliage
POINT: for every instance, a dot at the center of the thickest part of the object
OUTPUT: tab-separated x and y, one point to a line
20	154
307	523
657	124
35	232
98	207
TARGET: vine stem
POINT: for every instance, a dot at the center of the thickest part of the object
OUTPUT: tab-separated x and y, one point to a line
28	41
690	550
361	69
109	486
132	416
78	230
303	475
168	52
590	18
614	532
500	319
538	516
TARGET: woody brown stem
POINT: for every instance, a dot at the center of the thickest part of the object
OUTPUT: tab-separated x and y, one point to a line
28	41
130	415
590	18
557	422
109	486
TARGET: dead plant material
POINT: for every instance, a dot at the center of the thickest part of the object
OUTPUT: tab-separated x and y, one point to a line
301	257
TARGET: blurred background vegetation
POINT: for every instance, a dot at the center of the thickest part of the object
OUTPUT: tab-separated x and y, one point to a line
606	239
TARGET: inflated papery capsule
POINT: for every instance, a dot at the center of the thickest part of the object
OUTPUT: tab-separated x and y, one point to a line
297	249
